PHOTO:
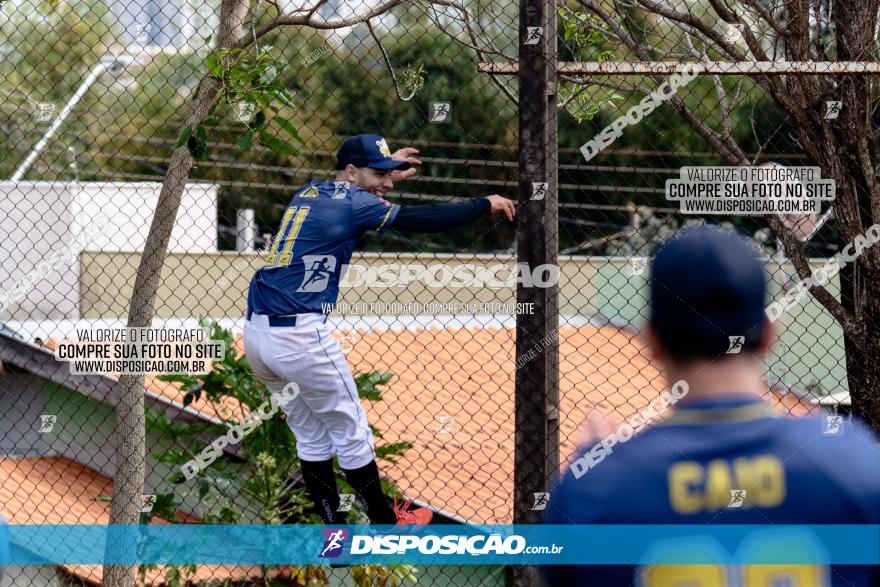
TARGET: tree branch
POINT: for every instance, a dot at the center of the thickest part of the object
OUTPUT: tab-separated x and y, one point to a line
641	51
306	20
768	18
315	8
707	33
390	67
274	4
474	45
725	145
793	249
590	25
725	107
564	104
761	146
622	86
865	160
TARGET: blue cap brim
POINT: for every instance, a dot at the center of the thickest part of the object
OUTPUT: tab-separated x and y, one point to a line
390	164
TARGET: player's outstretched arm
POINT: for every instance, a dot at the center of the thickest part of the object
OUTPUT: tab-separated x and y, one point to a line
501	205
441	217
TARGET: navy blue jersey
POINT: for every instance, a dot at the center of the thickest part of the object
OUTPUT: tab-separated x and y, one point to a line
314	242
731	460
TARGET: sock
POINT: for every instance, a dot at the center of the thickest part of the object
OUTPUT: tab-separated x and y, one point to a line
365	481
321	485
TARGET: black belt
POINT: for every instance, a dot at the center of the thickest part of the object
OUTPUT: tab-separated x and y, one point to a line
281	321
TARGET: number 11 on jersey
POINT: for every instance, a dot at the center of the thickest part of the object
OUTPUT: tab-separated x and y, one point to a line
291	223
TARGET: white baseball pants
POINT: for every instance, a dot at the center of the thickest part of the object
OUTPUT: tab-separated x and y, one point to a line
326	417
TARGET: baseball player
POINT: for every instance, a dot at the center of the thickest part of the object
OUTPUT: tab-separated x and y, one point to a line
286	336
722	455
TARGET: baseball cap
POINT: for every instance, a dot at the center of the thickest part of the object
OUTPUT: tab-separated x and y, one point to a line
707	286
367	151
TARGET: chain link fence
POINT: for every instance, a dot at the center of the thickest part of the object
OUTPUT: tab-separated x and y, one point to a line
765	91
103	101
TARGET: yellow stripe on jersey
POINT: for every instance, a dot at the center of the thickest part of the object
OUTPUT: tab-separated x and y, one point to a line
312	192
391	209
284	257
270	258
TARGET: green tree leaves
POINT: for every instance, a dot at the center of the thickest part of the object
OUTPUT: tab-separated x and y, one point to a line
253	93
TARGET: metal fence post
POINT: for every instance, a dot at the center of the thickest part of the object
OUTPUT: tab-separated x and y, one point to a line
537	390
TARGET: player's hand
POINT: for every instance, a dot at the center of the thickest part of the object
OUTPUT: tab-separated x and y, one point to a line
501	205
405	154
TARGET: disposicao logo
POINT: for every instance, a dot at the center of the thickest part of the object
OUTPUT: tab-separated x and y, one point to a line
334	542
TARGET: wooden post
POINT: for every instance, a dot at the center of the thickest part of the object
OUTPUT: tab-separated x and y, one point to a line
536	456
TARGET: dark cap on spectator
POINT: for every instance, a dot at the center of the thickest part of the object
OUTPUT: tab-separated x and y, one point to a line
367	151
706	286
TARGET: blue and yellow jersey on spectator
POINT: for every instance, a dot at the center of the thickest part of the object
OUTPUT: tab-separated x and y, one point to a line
729	460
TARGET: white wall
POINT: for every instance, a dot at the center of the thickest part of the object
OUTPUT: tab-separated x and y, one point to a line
129	209
45	225
35	220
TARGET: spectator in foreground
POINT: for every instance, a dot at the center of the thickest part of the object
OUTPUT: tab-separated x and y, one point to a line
722	456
